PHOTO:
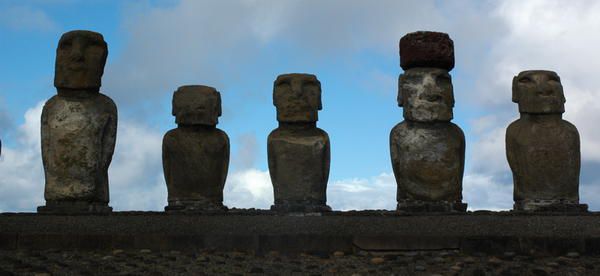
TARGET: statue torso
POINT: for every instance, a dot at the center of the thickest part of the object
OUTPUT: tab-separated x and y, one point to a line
299	163
195	163
545	159
428	161
73	152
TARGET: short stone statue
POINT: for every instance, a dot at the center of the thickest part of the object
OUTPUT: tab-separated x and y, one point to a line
196	153
78	128
427	150
543	149
298	151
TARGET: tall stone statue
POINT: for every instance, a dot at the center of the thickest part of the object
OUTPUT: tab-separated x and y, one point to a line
78	128
427	150
543	149
298	151
196	153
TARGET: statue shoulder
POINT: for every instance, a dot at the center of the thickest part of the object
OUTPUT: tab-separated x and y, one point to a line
222	134
457	130
570	127
323	133
51	102
402	126
107	102
514	126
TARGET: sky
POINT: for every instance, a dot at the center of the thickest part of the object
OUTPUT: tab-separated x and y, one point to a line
240	46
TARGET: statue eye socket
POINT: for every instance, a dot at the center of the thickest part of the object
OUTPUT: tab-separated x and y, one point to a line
553	79
411	78
525	80
283	83
443	79
309	83
65	44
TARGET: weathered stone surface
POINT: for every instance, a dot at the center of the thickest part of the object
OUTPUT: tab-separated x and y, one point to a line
80	59
426	95
196	153
427	150
542	149
78	128
428	162
196	105
298	151
426	49
297	98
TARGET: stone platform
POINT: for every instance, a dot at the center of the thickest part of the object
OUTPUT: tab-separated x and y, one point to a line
264	231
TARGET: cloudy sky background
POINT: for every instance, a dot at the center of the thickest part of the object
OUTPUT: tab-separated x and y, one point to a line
240	47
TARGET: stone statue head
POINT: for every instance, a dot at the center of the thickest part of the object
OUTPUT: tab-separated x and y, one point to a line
196	105
297	97
80	60
426	95
538	92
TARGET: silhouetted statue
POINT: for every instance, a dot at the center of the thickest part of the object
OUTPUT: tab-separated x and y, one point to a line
298	151
427	150
542	148
78	127
196	153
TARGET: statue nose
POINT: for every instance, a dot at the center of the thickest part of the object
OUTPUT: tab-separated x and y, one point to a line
544	89
77	53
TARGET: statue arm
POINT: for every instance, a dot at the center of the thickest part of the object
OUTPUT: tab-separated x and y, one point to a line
462	156
271	160
45	136
395	158
166	160
109	138
226	160
510	150
326	164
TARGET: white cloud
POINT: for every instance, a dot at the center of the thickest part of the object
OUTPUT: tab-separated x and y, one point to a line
25	18
378	192
247	150
483	192
22	181
136	181
249	188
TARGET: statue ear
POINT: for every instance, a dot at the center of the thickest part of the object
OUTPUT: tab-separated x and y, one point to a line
320	107
218	104
515	93
399	98
173	105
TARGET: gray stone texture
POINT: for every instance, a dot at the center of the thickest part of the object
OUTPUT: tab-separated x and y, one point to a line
426	49
543	149
196	153
298	151
427	150
78	128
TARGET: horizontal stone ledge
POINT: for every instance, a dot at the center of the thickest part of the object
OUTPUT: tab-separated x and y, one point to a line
263	231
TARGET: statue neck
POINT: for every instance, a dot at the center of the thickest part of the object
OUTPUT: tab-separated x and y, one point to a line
427	124
196	127
542	117
78	93
297	125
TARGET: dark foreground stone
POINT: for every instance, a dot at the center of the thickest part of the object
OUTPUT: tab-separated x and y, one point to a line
149	262
323	233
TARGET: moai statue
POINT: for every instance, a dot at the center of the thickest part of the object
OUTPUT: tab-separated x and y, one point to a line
427	150
196	153
78	128
298	151
543	149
